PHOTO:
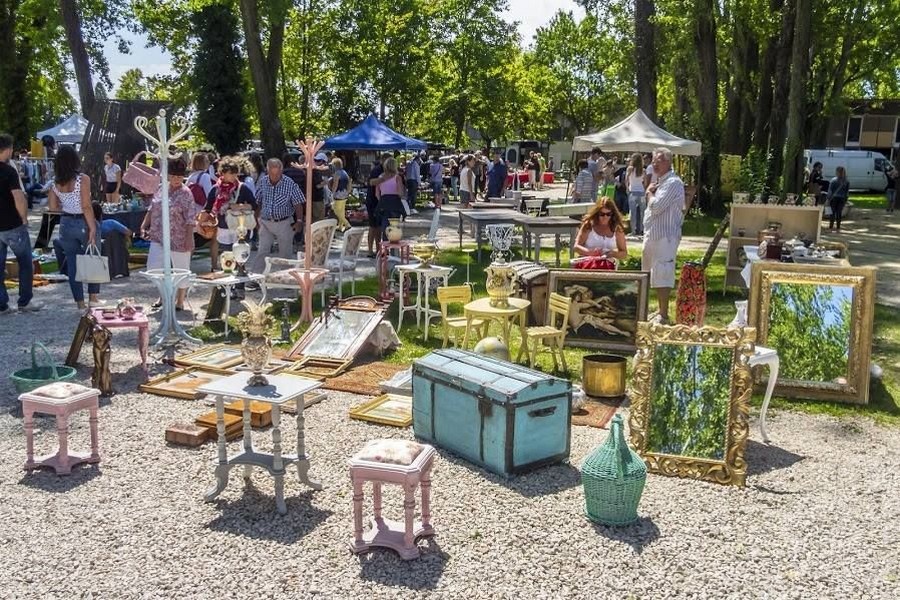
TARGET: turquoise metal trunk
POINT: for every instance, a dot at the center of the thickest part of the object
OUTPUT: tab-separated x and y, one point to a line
502	416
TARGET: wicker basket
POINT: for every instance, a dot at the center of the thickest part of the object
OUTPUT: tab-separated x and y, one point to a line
613	477
34	377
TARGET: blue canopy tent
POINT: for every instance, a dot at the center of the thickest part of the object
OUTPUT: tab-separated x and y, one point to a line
372	134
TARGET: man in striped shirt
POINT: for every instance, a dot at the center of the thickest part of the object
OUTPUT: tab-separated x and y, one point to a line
584	184
280	214
662	228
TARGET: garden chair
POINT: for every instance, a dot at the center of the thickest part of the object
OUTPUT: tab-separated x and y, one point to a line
276	274
457	294
553	336
345	263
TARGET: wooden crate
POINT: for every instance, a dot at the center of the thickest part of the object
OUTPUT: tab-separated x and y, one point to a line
187	434
260	412
234	425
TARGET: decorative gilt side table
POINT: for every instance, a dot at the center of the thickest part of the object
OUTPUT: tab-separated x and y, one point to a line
282	389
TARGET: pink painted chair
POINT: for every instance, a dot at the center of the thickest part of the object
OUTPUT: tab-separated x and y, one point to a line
60	399
399	462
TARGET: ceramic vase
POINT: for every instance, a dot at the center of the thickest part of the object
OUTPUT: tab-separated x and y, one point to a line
500	283
394	230
613	476
256	347
226	262
241	252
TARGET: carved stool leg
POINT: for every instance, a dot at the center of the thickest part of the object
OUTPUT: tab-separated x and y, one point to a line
358	543
409	510
376	501
29	437
426	500
62	429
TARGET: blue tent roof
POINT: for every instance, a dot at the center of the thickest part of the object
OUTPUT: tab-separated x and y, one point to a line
372	134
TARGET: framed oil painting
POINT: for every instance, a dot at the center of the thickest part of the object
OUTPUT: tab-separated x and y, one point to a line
690	404
606	306
182	383
387	409
217	356
819	319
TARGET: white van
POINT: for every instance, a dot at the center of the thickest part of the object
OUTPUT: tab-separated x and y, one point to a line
865	169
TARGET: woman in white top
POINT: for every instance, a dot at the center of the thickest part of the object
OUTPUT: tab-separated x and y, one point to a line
634	178
199	174
467	181
112	178
602	234
71	195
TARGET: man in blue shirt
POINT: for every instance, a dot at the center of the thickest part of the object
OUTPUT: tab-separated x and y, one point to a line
497	177
413	177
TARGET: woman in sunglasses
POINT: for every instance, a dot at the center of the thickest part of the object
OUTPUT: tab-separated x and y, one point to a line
601	239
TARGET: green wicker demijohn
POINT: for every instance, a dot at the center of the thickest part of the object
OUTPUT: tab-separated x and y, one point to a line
613	477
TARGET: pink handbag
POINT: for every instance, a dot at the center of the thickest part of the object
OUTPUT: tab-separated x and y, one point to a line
142	176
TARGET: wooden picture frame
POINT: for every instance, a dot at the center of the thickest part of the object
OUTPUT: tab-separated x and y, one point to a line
386	409
182	383
338	334
606	306
703	436
218	356
805	312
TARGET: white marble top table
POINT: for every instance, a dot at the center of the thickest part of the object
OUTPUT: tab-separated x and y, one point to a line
281	390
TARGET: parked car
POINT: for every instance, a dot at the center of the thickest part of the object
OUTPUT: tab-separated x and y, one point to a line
865	169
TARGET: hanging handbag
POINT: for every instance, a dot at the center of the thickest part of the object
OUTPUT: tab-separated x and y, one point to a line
142	176
207	225
91	267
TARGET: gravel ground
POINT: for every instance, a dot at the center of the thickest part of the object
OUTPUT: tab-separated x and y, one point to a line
818	517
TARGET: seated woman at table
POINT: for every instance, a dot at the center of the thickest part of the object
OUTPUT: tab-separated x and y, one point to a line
601	238
183	213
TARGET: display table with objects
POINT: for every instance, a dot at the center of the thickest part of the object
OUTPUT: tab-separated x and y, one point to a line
576	210
281	390
402	248
424	275
517	309
219	300
478	219
138	320
535	227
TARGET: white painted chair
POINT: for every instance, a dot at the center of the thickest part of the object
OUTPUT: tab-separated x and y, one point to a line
276	274
345	263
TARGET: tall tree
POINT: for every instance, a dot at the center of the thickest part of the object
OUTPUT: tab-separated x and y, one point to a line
72	25
781	88
217	72
645	57
708	100
796	125
264	68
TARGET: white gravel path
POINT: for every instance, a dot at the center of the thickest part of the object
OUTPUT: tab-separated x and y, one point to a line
818	518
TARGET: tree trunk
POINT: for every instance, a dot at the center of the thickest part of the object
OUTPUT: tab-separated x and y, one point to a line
708	102
748	98
796	125
72	23
16	52
645	56
264	81
778	114
738	90
764	100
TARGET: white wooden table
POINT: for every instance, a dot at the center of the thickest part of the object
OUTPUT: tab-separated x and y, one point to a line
282	389
768	357
424	276
227	283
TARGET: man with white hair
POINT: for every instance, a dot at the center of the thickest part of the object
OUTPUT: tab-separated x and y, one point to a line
280	212
663	219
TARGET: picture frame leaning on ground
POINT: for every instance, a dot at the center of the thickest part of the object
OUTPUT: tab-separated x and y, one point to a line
819	318
691	390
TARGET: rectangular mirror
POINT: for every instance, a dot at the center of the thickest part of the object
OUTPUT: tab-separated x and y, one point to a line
340	332
819	319
691	389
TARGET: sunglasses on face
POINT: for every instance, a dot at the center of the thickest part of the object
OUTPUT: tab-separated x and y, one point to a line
605	214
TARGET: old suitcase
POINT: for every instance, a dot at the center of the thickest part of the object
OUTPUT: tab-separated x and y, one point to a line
260	412
531	282
502	416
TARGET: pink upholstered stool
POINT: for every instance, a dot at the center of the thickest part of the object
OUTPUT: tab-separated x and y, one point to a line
400	462
60	399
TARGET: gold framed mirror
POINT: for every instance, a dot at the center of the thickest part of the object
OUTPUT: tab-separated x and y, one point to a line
691	390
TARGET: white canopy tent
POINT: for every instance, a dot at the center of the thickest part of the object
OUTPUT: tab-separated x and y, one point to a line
636	133
70	131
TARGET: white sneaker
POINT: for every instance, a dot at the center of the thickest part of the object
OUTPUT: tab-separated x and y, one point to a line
32	307
413	211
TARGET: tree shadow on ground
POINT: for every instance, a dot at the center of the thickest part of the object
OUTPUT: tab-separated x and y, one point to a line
254	515
385	566
542	481
638	535
762	458
48	481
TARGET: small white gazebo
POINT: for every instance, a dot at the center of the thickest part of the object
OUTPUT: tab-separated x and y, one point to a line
70	131
635	133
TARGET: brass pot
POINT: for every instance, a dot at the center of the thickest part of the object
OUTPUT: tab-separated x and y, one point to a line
500	283
604	376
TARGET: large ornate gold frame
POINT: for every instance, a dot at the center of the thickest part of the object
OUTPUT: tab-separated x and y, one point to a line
732	470
862	312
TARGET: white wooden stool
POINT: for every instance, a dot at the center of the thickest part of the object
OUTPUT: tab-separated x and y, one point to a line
768	357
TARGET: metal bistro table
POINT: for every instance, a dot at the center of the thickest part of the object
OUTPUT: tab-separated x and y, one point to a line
535	227
282	389
479	218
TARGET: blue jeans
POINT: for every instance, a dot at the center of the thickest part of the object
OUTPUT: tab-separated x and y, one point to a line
73	239
454	185
16	240
636	212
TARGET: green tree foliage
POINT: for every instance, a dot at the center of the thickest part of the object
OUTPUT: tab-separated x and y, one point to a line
689	400
809	325
217	75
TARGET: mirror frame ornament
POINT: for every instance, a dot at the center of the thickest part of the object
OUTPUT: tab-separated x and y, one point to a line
732	470
862	314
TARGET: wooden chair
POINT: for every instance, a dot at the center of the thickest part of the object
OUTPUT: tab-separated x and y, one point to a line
457	294
558	306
